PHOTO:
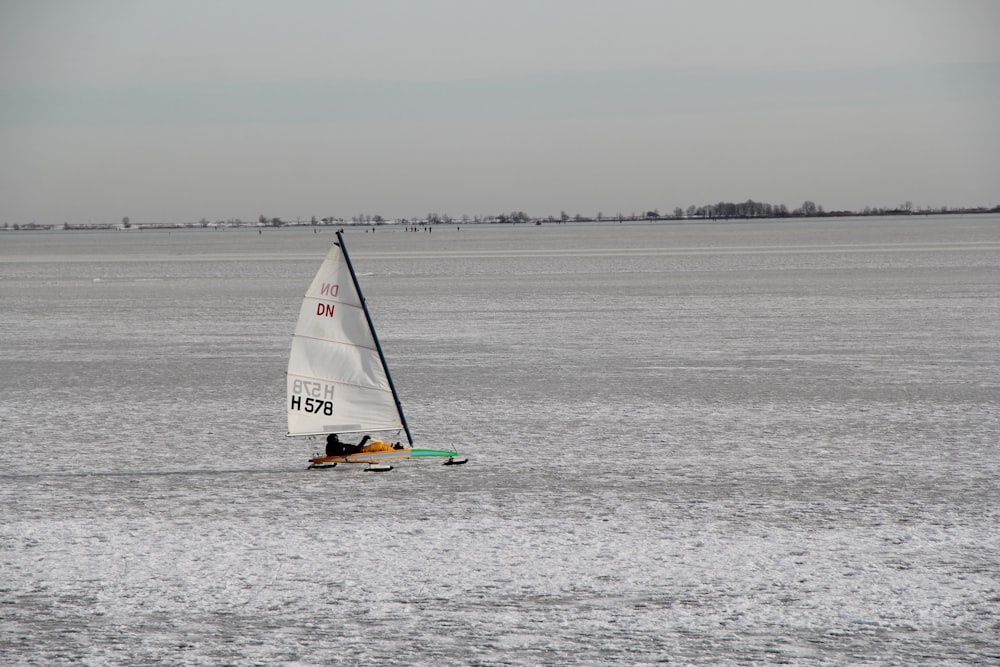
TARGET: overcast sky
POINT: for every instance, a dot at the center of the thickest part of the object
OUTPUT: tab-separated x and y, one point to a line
188	109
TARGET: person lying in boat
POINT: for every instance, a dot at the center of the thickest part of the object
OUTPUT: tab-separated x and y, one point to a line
334	447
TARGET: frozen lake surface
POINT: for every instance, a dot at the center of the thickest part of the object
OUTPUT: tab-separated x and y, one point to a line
694	443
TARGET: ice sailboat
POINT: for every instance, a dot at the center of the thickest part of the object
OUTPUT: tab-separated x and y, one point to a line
338	380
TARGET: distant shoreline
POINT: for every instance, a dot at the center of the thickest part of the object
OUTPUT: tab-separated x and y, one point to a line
498	220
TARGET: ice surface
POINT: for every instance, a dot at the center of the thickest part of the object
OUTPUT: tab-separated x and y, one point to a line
691	444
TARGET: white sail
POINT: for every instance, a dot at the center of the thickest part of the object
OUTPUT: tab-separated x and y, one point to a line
337	381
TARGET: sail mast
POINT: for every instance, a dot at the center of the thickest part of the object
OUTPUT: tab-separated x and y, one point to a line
371	328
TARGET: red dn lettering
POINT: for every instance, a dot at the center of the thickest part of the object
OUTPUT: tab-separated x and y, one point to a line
327	290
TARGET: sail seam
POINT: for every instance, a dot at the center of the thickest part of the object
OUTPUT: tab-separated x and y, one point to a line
334	340
334	301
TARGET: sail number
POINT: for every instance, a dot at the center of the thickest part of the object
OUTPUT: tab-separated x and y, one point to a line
312	397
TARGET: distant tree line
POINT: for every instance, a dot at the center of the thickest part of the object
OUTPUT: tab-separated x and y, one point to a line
720	210
747	209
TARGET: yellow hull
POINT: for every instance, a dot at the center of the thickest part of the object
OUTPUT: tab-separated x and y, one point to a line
381	456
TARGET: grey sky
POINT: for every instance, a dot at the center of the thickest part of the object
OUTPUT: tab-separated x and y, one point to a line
174	111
